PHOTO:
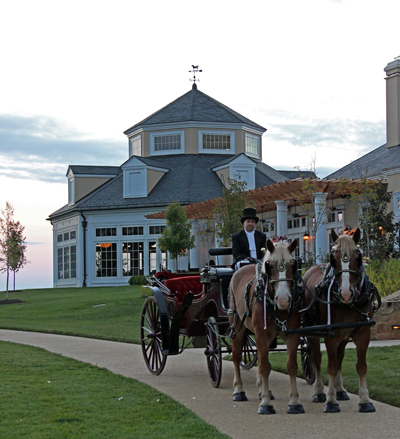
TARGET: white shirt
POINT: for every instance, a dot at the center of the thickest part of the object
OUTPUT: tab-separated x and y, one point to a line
252	244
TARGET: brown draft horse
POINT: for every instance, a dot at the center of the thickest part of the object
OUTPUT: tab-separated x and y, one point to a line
263	299
340	293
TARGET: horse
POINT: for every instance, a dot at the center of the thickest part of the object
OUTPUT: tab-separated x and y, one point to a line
340	295
264	299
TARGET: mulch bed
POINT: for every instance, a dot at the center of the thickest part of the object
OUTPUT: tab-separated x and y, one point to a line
10	301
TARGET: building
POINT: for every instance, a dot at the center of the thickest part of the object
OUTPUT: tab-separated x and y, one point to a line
184	152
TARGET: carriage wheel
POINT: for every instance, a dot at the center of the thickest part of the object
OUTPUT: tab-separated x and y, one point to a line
150	334
249	352
214	352
306	363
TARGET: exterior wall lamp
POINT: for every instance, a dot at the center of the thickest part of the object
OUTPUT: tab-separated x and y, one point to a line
306	236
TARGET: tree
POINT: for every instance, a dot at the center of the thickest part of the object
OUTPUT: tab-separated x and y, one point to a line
12	244
380	234
176	238
227	214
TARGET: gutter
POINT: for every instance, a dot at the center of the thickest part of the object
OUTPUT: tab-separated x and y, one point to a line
84	225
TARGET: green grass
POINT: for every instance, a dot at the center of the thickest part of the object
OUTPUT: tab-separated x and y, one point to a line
383	378
75	311
47	396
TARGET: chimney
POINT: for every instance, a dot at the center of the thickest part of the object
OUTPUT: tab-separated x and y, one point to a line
393	103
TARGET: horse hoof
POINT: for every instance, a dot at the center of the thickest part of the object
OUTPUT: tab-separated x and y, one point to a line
240	396
342	396
295	409
331	407
271	396
321	397
366	407
266	410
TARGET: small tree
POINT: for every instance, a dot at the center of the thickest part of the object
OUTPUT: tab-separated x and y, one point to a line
12	244
227	214
380	234
176	238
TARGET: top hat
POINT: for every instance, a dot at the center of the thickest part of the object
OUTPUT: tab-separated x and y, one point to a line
249	213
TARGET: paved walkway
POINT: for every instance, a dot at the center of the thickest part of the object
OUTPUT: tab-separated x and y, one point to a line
185	379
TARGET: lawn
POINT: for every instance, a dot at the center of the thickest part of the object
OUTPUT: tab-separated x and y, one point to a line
109	313
47	396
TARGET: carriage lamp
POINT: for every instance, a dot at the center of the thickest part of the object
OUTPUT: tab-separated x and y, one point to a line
306	236
396	327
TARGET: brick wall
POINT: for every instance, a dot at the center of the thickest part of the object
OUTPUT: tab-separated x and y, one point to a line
386	317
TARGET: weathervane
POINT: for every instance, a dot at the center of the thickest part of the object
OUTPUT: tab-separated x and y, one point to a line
194	71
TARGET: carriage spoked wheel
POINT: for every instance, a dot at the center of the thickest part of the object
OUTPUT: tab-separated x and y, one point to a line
150	333
213	352
249	352
306	363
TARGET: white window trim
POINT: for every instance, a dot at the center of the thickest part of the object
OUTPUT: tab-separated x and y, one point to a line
258	155
216	151
170	151
71	189
235	170
127	187
133	139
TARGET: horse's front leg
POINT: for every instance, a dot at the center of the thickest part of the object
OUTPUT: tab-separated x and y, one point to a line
341	394
295	406
332	405
237	347
362	341
316	357
264	370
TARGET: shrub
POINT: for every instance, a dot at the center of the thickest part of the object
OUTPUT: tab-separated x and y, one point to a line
138	280
385	275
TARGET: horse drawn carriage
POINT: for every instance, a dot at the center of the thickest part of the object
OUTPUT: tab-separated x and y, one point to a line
193	309
242	312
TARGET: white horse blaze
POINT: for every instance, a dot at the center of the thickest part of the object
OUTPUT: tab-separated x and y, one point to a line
346	293
282	294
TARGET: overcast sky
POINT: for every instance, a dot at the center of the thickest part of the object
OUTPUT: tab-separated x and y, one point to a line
74	75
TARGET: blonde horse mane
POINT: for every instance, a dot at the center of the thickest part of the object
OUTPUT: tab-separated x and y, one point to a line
345	244
281	253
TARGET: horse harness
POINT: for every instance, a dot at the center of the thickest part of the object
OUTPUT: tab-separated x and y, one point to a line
262	295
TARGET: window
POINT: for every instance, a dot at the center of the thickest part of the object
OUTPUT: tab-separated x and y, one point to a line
59	237
296	223
66	236
252	145
136	146
216	142
331	217
132	258
71	194
106	259
106	231
66	262
289	224
156	230
72	234
135	230
169	142
153	256
340	216
303	222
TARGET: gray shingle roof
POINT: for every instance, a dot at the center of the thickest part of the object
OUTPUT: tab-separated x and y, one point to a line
93	170
292	175
372	164
189	180
195	106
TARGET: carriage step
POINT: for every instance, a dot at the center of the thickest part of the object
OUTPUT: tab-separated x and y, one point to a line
326	330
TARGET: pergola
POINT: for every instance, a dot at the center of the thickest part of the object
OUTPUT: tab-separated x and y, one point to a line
263	199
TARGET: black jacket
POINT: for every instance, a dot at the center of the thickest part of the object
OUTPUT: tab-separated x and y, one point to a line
240	245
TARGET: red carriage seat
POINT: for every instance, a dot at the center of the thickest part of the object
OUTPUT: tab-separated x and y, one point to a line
179	286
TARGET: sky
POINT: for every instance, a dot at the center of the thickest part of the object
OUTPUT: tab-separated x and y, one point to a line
74	75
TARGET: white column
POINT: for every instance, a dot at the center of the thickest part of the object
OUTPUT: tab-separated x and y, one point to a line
320	217
281	217
194	256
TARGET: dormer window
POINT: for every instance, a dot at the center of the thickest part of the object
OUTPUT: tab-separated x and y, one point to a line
252	145
216	142
170	142
136	146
